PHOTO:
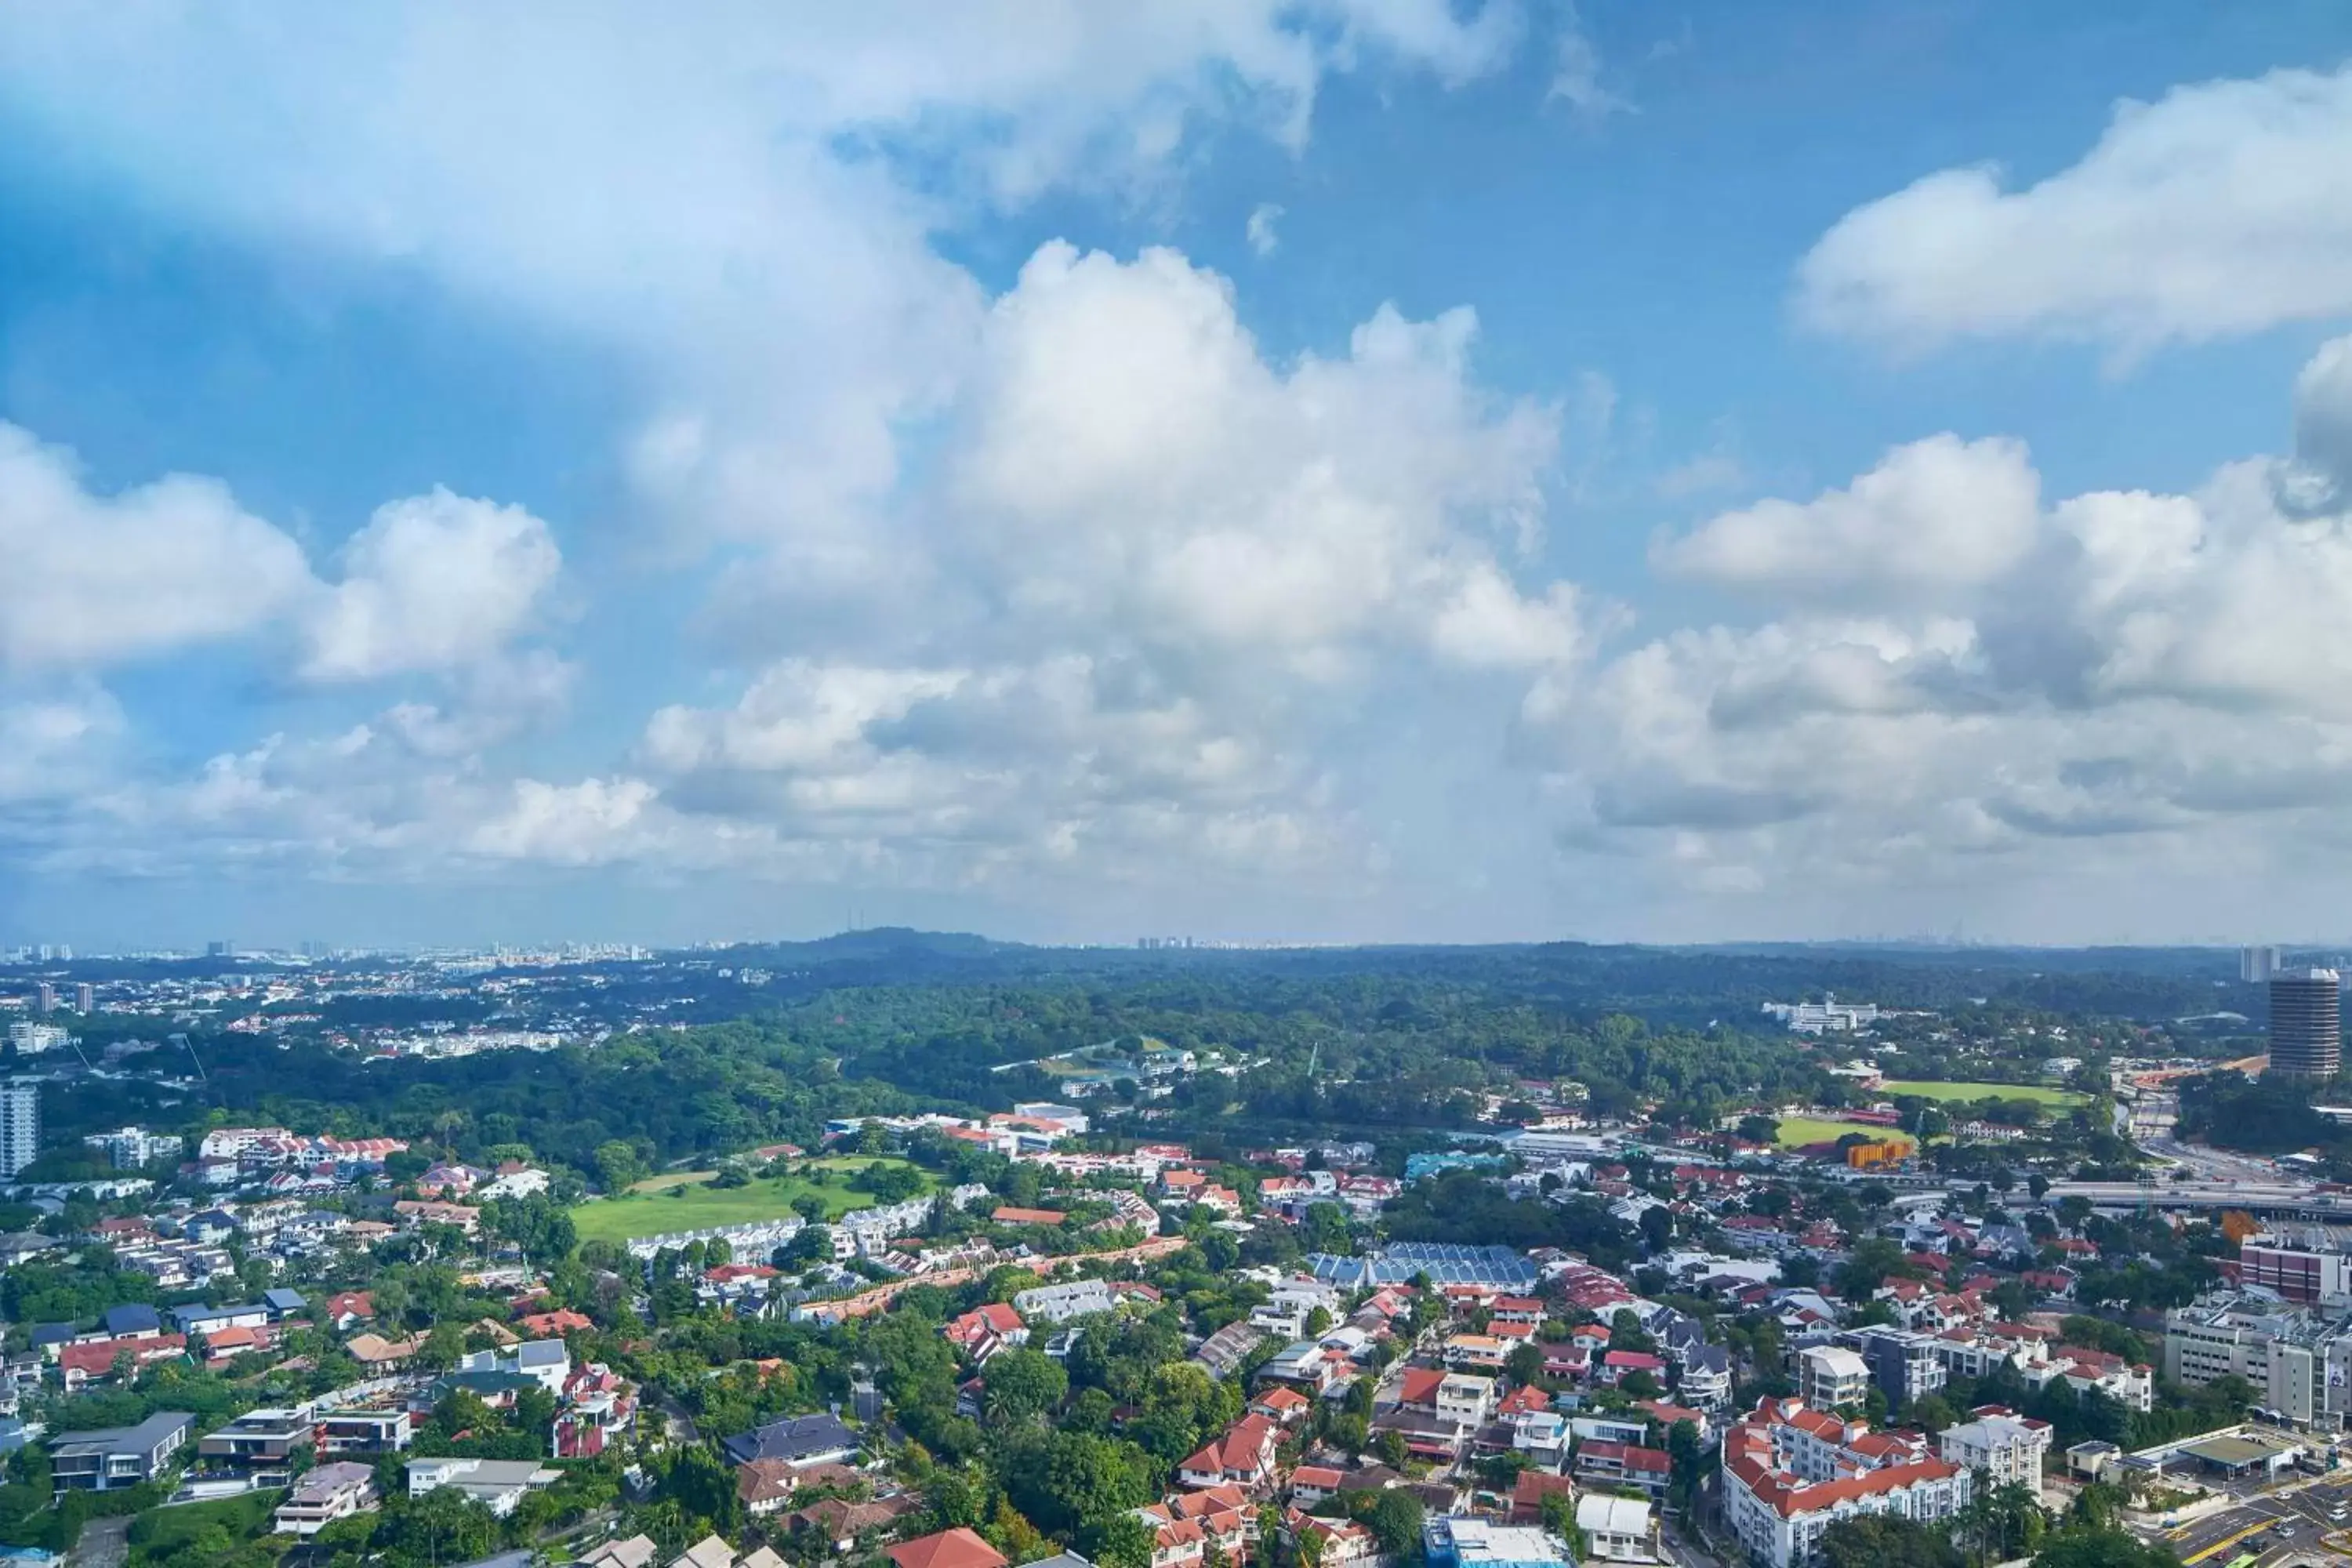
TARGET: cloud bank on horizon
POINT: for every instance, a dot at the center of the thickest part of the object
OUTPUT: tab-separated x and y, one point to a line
988	509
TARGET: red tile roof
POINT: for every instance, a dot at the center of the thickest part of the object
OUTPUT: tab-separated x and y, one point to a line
957	1548
1784	1496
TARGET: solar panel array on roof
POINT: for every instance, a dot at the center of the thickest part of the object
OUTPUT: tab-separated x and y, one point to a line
1445	1263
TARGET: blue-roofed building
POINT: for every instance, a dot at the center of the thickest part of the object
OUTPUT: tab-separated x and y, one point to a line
46	1336
132	1321
212	1320
1445	1263
1416	1166
282	1302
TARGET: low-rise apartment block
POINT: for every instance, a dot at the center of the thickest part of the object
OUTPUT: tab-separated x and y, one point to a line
1790	1472
2002	1445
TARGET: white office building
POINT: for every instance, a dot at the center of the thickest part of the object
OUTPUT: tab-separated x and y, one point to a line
1827	1017
32	1039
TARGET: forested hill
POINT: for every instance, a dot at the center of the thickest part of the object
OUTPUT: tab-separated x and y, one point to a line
1403	1039
1686	985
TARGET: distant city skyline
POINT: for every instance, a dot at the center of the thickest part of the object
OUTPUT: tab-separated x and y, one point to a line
1334	473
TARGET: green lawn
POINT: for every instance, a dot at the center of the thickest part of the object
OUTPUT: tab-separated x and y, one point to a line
1796	1131
2038	1093
674	1202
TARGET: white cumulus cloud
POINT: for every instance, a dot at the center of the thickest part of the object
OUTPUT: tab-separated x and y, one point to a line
2222	208
95	580
1936	517
432	583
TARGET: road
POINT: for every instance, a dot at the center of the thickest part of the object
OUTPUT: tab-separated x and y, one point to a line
104	1543
2277	1527
2206	1164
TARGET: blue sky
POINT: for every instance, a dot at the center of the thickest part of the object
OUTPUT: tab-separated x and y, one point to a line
1358	469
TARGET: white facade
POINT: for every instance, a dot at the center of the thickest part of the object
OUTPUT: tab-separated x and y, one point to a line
325	1495
1465	1398
132	1147
1832	1378
20	1126
2005	1446
529	1181
1791	1472
547	1363
497	1483
31	1039
1060	1303
1826	1017
1786	1539
1618	1528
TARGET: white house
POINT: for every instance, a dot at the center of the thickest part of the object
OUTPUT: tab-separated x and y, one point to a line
1619	1529
546	1361
497	1483
1060	1303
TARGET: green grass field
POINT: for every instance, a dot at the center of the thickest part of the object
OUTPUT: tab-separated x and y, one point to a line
1796	1131
2038	1093
677	1202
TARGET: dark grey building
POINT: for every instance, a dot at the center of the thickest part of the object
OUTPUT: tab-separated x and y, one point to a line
1903	1364
2307	1023
118	1456
799	1439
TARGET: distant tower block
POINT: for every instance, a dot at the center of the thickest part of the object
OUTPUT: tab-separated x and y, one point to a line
2307	1023
2257	965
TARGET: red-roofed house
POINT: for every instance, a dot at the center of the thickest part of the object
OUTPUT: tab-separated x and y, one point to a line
1618	1365
1243	1455
1528	1397
1605	1464
1187	1525
556	1324
347	1309
1282	1405
94	1362
984	1331
1569	1360
228	1343
957	1548
1418	1388
1529	1490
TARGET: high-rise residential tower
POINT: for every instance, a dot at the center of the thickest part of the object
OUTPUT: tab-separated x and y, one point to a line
20	1126
2307	1023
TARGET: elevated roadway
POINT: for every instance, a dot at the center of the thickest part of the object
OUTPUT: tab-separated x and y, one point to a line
2301	1200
